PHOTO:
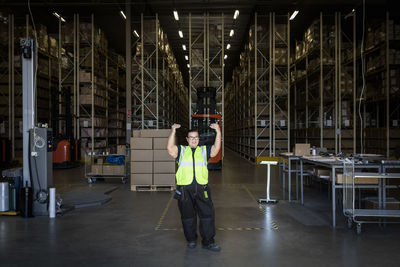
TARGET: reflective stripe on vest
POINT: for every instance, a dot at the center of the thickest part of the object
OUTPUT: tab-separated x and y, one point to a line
184	175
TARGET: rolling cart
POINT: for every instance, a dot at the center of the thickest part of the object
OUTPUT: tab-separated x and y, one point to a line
360	216
98	166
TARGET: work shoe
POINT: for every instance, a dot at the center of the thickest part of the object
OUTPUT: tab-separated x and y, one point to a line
212	247
191	244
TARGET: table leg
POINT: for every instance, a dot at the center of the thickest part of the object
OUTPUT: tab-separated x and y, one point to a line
297	185
301	185
333	198
289	180
301	179
284	178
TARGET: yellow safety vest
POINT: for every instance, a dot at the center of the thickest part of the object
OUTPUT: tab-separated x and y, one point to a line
184	175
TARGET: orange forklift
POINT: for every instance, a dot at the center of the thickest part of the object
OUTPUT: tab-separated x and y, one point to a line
205	115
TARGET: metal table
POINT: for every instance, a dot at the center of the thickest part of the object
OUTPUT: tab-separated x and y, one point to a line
334	164
287	168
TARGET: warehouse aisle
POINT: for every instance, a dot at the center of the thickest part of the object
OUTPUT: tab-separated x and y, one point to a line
143	229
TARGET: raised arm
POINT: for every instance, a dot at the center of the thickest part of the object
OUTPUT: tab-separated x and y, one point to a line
217	144
171	147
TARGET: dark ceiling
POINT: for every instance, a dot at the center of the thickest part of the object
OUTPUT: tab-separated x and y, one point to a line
108	18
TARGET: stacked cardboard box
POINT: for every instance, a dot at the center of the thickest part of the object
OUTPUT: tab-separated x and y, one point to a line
151	165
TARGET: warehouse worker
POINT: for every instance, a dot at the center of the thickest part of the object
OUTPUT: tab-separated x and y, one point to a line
193	192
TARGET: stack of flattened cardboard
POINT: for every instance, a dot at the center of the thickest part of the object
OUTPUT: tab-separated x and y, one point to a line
151	165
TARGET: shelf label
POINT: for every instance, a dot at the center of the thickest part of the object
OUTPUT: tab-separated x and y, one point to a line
85	124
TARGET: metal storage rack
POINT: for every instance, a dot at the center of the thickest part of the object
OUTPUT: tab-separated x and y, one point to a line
380	101
158	95
206	59
258	113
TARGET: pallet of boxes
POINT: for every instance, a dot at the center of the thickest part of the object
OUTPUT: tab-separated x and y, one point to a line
152	168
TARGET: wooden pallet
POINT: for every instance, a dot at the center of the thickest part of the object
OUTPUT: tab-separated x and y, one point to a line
153	187
163	187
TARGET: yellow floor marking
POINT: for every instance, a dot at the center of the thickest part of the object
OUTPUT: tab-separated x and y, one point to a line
163	214
274	226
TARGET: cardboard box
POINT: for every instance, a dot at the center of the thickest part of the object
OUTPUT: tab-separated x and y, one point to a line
162	155
141	143
155	133
97	169
142	167
364	180
112	169
301	149
160	143
136	133
322	172
141	155
121	149
164	167
164	179
99	161
142	179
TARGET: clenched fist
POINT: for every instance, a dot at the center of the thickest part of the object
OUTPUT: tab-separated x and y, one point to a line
175	126
215	126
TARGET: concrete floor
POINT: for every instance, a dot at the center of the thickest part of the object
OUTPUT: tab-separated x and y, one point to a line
143	229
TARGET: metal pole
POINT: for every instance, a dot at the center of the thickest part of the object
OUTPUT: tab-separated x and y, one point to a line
288	81
387	88
75	85
92	54
354	85
321	82
270	84
157	24
142	66
337	74
59	79
77	75
223	86
273	86
204	51
190	72
339	134
255	88
128	76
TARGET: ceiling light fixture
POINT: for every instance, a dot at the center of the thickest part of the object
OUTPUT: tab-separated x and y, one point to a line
122	14
294	15
135	32
188	65
186	57
231	33
58	16
180	34
184	47
228	46
236	14
176	16
226	56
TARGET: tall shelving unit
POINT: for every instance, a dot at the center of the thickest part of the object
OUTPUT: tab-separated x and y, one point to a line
314	84
380	101
158	95
259	110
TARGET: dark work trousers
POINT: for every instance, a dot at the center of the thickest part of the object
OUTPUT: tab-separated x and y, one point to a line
196	200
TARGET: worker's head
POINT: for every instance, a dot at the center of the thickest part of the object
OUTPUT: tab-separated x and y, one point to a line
193	138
